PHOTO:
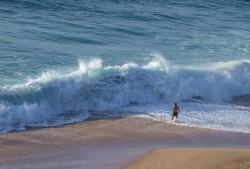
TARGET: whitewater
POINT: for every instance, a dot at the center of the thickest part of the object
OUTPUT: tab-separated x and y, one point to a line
65	62
207	95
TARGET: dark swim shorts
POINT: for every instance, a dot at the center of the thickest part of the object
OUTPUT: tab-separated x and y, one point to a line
175	114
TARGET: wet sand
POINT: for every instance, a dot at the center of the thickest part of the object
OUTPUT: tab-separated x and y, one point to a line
106	143
194	158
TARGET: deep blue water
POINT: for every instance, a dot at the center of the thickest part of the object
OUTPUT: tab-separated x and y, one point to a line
59	56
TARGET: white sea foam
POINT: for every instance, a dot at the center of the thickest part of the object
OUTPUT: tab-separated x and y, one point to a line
53	96
211	115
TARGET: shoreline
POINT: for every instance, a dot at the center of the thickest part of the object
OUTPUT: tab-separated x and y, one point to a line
122	140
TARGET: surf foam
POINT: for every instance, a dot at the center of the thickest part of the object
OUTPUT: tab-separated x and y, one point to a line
94	87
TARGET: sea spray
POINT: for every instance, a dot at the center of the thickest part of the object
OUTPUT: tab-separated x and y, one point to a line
97	88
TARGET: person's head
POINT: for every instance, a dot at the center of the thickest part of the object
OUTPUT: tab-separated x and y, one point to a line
175	104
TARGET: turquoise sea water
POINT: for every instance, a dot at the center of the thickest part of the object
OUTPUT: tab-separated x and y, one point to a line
63	61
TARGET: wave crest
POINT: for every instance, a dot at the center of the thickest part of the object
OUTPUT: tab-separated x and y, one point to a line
94	87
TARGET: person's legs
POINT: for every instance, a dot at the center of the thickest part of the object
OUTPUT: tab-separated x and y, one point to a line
175	115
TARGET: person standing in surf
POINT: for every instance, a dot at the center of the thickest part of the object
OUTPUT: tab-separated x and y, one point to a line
175	111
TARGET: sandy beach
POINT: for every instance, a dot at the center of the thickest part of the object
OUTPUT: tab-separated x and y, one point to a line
118	143
191	158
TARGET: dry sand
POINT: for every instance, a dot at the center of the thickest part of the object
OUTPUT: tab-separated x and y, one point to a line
112	137
192	158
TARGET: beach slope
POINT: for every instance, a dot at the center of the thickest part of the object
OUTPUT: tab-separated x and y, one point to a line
116	143
194	158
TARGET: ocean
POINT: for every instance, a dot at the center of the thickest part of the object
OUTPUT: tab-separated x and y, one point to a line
64	61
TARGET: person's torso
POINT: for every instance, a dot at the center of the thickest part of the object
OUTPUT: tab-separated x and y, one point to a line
175	109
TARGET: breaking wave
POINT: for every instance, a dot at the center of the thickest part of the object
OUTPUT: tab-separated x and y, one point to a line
54	98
